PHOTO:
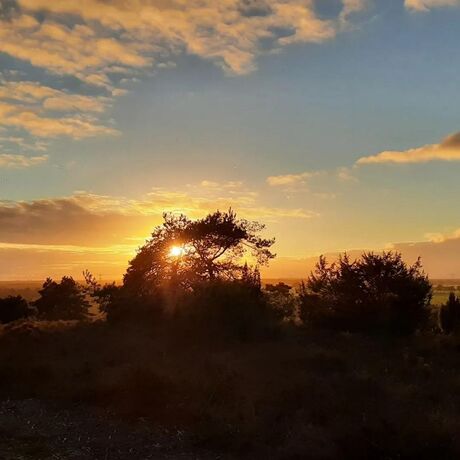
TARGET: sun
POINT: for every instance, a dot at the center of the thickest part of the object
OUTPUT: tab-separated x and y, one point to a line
176	251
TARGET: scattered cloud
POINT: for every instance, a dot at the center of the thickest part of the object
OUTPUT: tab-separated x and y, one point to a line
41	125
350	7
447	150
228	185
300	180
427	5
15	142
346	174
30	106
105	43
11	161
442	237
228	32
291	179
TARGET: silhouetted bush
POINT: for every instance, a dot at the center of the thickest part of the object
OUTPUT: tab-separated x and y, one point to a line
121	304
282	301
376	293
227	310
13	308
65	300
449	314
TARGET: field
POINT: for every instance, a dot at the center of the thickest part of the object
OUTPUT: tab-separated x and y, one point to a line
93	389
305	395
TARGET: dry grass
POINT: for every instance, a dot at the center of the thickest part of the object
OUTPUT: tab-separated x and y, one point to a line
305	395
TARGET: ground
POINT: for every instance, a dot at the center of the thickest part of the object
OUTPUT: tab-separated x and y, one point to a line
94	391
37	430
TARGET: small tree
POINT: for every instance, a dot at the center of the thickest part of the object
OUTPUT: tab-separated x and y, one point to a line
13	308
449	314
375	292
65	300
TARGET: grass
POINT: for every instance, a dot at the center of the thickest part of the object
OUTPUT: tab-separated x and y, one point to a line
304	395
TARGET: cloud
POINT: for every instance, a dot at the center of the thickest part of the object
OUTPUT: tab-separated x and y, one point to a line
297	181
427	5
447	150
290	179
350	7
229	185
9	142
439	258
103	42
31	106
86	219
228	32
66	50
66	235
34	93
11	161
41	125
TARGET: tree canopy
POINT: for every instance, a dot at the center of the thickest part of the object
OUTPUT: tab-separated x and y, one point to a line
65	300
186	252
373	292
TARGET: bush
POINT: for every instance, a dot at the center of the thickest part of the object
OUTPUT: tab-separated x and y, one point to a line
282	301
227	310
450	314
376	293
62	301
121	304
13	308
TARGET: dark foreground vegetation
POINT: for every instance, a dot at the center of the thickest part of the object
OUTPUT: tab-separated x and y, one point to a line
353	364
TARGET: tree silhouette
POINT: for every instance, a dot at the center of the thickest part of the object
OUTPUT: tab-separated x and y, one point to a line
450	314
65	300
13	308
375	292
184	252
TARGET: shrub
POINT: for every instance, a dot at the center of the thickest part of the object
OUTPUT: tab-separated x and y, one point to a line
121	304
227	310
450	314
376	293
282	301
65	300
13	308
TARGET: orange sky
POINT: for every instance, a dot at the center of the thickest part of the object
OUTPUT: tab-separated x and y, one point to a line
333	122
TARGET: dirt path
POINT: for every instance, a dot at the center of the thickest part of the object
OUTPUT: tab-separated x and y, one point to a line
33	429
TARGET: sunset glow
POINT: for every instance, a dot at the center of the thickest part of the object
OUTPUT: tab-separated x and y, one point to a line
229	229
176	251
317	118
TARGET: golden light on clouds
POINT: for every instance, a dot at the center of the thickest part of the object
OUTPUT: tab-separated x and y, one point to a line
447	150
427	5
106	44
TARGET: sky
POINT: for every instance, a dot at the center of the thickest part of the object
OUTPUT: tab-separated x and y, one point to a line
334	122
